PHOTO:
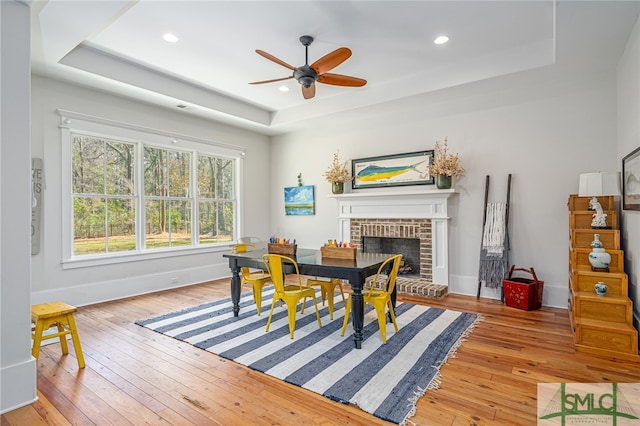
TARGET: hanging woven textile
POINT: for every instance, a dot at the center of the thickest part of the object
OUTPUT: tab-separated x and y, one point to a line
494	253
494	257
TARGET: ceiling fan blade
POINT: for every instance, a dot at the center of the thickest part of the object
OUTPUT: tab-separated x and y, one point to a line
271	81
331	60
309	92
274	59
341	80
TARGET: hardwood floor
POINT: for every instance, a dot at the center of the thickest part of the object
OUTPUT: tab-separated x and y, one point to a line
135	376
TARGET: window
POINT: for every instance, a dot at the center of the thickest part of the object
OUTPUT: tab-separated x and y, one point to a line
130	196
104	204
167	199
215	198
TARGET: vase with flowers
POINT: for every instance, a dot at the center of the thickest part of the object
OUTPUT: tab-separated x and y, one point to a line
445	165
337	174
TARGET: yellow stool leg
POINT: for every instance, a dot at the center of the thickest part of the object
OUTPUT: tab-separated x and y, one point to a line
37	339
76	340
63	337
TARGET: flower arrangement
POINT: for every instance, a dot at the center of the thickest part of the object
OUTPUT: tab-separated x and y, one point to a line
445	163
337	172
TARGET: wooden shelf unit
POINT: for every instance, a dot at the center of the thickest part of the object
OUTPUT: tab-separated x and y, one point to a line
601	324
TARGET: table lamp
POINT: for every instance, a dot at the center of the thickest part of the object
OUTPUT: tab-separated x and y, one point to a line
595	185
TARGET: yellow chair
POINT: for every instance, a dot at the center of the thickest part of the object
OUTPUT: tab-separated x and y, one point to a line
327	289
290	294
379	295
257	279
60	315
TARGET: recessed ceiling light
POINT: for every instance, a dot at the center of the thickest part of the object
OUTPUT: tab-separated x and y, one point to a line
441	40
283	88
171	38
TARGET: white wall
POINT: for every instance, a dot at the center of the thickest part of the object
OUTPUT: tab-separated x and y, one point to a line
94	284
629	140
542	132
17	366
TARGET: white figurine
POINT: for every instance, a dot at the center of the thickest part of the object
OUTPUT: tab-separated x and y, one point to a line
599	217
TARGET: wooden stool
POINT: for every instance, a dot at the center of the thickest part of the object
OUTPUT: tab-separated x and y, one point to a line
47	315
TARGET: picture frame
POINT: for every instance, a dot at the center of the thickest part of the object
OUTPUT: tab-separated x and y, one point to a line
392	170
631	181
299	200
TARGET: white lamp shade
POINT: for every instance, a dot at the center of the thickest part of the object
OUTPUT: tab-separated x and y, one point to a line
597	184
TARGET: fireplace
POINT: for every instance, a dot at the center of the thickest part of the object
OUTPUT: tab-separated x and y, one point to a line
408	247
409	237
414	214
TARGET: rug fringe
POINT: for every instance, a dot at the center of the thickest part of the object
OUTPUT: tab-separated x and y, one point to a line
436	381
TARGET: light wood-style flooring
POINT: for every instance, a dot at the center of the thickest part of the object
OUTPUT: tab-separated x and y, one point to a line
135	376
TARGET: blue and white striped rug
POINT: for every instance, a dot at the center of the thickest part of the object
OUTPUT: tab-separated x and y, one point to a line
384	380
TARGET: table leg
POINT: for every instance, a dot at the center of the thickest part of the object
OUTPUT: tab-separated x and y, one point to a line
235	288
357	310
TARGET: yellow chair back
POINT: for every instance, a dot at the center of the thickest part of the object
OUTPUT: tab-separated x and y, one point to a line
243	247
390	281
290	294
379	295
275	266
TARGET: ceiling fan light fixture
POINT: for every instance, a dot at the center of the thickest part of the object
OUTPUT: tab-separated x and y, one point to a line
306	81
170	38
441	39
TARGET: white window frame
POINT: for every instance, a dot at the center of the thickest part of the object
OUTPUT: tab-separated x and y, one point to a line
73	122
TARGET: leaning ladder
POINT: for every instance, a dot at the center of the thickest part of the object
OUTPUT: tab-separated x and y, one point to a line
484	224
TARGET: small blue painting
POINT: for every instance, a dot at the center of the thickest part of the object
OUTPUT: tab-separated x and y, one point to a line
299	200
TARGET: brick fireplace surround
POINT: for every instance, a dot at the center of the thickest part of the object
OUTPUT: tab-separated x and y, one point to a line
407	214
403	228
396	228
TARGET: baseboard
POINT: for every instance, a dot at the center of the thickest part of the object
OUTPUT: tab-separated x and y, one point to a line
105	291
555	297
18	385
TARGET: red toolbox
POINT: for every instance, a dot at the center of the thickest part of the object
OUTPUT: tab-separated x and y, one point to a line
523	293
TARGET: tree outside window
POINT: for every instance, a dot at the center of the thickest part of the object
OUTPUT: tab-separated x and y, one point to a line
108	203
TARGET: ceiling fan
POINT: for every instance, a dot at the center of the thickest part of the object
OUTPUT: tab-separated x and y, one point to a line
307	75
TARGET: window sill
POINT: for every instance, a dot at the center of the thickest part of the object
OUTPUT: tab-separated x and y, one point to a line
137	256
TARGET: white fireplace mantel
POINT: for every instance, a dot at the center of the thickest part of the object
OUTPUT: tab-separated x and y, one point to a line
416	204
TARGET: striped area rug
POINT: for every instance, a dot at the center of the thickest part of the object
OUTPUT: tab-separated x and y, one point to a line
384	380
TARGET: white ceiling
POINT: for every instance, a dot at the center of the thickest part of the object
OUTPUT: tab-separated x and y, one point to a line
117	46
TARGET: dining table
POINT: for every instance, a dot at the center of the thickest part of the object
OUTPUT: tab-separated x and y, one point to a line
311	262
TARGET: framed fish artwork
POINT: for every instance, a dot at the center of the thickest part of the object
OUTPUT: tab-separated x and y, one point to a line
411	168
